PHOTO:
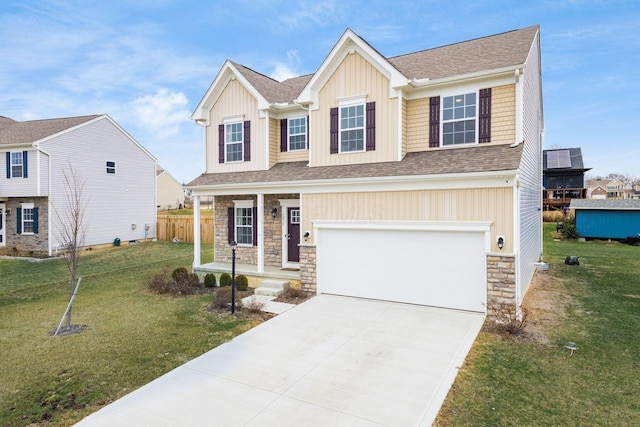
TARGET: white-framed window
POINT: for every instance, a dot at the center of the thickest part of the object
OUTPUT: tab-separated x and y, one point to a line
110	167
352	123
297	133
17	164
233	141
243	222
28	218
459	119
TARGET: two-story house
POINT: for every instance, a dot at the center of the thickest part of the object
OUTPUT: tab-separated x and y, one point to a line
40	157
562	177
414	178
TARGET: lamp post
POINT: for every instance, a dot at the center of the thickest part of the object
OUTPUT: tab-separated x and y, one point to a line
233	276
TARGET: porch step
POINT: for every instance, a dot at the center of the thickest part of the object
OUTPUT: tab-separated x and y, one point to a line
271	287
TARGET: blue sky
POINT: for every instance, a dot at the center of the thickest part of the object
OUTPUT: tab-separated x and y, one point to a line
147	63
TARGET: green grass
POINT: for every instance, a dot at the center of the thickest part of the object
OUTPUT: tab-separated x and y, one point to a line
506	382
133	336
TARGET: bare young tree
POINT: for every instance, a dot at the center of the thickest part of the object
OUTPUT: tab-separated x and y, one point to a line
71	228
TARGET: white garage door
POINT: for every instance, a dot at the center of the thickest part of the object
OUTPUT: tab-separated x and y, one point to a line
441	268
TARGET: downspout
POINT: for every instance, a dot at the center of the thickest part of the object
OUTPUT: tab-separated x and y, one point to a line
49	237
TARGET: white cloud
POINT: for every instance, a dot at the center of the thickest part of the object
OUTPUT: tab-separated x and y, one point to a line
163	113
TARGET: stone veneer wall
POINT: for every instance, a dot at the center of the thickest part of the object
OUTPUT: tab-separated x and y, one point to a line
308	276
501	281
272	231
25	244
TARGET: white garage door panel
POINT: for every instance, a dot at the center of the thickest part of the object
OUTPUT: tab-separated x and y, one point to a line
437	268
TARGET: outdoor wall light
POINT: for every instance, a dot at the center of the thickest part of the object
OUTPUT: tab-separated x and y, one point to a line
500	242
274	211
306	236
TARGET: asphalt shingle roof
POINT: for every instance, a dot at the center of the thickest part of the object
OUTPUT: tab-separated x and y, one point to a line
13	132
576	160
614	204
456	160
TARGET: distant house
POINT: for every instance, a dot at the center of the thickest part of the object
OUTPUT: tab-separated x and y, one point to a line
609	189
607	219
563	177
170	191
413	178
119	176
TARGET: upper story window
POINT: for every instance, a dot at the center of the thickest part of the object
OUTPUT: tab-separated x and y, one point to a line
297	139
16	165
110	167
459	119
352	128
233	137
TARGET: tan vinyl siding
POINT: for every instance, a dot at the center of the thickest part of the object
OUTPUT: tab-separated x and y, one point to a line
354	77
503	114
484	204
236	100
418	125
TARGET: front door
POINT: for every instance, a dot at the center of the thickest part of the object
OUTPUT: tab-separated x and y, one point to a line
2	227
293	234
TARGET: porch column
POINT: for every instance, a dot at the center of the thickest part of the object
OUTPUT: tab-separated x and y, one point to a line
260	219
196	231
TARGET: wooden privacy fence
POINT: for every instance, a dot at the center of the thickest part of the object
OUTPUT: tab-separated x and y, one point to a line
181	226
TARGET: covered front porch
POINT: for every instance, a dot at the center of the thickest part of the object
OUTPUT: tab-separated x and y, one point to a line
251	271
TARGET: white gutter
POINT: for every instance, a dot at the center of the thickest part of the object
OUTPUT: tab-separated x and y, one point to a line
418	83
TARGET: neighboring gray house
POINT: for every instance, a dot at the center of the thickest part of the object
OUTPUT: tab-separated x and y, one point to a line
119	175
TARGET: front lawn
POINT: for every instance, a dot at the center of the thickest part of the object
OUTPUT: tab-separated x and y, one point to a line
532	380
133	336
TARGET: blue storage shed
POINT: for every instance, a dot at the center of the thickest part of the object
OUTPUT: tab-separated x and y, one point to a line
607	219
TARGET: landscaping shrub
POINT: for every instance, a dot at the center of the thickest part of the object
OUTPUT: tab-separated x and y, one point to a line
178	273
160	283
295	293
163	283
184	278
553	216
223	299
253	305
569	230
209	280
242	283
508	320
225	279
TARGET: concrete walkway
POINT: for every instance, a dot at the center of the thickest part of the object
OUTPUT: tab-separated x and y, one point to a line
331	361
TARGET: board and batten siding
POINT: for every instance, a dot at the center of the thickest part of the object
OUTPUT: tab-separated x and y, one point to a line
480	204
236	101
22	187
530	199
355	76
114	201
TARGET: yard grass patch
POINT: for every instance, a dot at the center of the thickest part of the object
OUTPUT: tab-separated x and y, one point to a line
536	381
133	336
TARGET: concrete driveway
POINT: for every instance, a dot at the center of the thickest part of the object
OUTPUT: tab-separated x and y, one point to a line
331	361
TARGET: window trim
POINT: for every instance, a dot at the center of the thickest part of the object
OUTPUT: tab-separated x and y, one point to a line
476	117
21	165
24	208
243	204
107	168
230	122
290	134
352	101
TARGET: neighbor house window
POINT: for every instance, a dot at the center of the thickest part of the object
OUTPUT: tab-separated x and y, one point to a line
352	128
27	219
297	134
17	164
233	139
459	119
111	167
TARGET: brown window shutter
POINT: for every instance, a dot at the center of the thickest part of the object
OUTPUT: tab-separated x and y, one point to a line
254	222
220	143
231	224
371	126
333	115
434	121
484	116
247	141
284	134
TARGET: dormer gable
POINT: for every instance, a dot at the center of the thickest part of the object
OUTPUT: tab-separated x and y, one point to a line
350	43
